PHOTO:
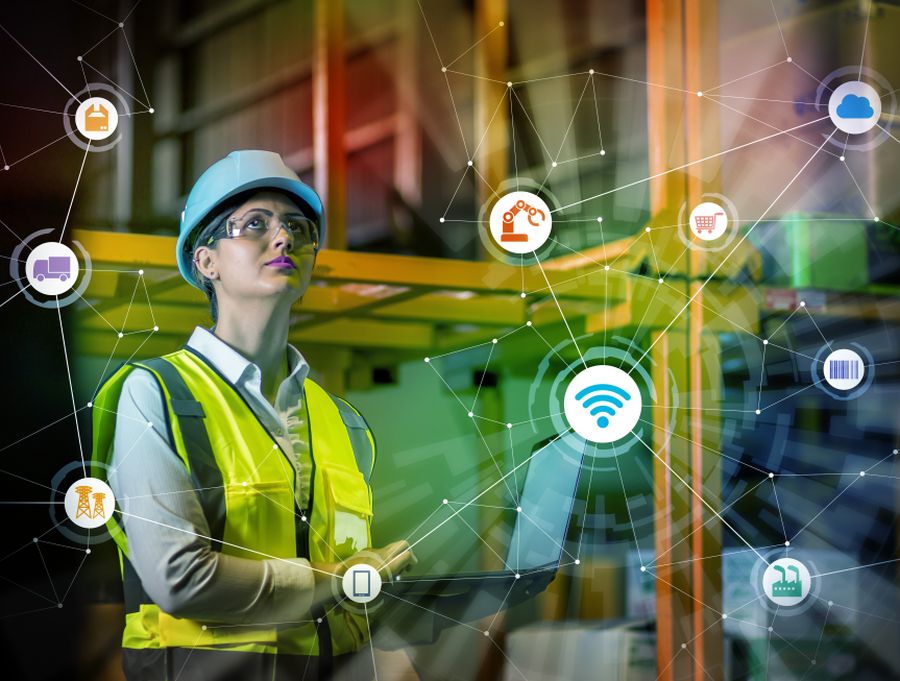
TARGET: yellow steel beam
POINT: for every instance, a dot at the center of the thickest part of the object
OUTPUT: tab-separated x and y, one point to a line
140	251
97	337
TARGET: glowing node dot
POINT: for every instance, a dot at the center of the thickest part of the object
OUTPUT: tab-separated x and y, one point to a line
659	280
646	229
518	509
90	404
303	518
509	83
518	576
203	627
699	94
643	568
599	219
522	294
427	359
141	272
577	561
771	475
896	450
771	629
606	267
724	616
758	412
120	334
554	164
603	152
443	69
471	414
802	303
79	58
765	342
830	603
500	24
528	323
876	219
152	110
509	425
149	424
5	167
59	605
87	551
318	620
156	328
591	71
441	220
244	484
843	158
446	501
121	25
493	340
790	59
787	542
862	474
35	540
683	646
487	633
469	163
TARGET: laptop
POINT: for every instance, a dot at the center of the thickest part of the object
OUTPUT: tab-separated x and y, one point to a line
536	544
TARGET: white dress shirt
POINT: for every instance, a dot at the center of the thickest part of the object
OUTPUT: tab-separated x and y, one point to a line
167	531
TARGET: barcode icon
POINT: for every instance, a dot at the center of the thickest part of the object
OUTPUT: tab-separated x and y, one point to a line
845	369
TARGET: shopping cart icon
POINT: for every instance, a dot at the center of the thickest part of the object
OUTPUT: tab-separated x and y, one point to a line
706	222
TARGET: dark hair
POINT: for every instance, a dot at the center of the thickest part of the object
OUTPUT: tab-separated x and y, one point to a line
214	225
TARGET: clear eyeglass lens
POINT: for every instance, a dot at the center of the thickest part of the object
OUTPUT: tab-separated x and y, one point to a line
256	225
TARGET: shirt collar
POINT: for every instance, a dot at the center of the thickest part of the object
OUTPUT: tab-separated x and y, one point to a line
233	365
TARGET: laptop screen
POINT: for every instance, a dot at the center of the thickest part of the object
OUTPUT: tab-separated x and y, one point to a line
546	502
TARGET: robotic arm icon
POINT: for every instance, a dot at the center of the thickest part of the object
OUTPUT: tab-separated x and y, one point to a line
509	231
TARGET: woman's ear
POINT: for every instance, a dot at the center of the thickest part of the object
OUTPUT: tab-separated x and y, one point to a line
205	258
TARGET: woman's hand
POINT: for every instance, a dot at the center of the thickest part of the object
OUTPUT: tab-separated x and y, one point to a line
392	559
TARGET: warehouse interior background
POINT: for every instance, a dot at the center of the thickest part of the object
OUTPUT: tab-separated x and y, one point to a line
381	106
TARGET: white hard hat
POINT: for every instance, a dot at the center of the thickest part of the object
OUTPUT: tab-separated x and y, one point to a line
236	173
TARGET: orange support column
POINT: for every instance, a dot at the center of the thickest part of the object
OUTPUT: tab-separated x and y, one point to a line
682	55
330	118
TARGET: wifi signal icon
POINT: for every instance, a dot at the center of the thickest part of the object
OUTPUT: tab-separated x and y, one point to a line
603	403
598	401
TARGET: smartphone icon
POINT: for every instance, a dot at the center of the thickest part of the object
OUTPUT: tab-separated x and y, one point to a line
362	583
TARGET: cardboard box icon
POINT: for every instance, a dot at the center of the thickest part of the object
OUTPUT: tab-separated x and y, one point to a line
96	119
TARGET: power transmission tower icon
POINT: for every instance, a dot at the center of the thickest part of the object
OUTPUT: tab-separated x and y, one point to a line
98	505
84	501
78	503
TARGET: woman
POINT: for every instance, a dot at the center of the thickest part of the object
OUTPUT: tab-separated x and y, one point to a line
242	484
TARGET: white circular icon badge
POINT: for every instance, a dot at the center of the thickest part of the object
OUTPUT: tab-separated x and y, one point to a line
520	222
602	404
854	107
786	582
361	583
708	221
843	369
96	118
51	268
89	503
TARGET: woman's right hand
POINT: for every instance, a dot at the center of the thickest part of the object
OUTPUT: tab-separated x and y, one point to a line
392	559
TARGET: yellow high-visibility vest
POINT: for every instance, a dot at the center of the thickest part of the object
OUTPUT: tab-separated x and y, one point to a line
246	489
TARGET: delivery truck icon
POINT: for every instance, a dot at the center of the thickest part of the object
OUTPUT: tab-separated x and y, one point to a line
54	267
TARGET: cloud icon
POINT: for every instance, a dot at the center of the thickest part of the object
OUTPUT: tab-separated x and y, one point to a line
853	106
